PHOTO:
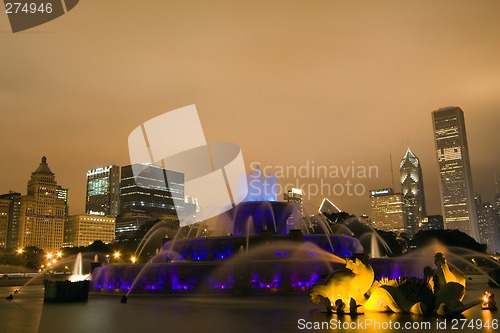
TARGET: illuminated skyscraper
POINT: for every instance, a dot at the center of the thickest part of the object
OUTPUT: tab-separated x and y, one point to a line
412	188
457	194
387	208
497	205
42	211
103	191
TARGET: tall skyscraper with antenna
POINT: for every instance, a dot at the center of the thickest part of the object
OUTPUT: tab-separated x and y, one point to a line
412	188
497	197
497	203
457	194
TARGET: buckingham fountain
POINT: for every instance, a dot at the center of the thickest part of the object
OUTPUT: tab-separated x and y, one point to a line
264	251
274	258
269	247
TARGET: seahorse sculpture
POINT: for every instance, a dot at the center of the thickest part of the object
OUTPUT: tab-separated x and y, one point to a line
440	291
343	285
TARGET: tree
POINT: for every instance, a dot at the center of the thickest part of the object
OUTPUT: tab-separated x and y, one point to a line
447	237
339	217
98	246
392	240
10	258
33	257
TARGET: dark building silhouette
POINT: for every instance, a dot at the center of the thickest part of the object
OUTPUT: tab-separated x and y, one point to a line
435	222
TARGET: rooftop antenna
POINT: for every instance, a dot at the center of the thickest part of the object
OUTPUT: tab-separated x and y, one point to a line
496	183
392	172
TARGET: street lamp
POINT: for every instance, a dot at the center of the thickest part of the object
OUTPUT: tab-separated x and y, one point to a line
116	255
133	259
19	251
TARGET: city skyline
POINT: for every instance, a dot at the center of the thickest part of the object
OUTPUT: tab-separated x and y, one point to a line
331	83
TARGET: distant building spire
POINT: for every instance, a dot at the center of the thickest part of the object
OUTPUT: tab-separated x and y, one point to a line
392	170
496	183
43	167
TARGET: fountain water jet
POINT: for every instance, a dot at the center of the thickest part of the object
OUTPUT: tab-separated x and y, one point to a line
77	273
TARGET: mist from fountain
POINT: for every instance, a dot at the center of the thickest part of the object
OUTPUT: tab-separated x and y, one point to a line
341	229
161	225
375	240
374	249
413	262
284	265
42	272
250	229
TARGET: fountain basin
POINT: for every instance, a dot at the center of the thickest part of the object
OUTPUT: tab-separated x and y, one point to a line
261	274
210	277
65	291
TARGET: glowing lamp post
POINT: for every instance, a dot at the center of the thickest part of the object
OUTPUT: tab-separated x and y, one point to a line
488	301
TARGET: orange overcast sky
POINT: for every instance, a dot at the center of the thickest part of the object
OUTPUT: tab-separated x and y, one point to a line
334	82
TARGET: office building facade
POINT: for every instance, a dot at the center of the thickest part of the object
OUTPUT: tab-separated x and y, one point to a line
84	229
387	210
14	200
488	223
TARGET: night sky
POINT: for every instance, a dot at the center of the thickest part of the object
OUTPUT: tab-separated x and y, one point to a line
340	83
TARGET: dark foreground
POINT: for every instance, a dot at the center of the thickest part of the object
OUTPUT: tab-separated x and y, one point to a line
271	313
